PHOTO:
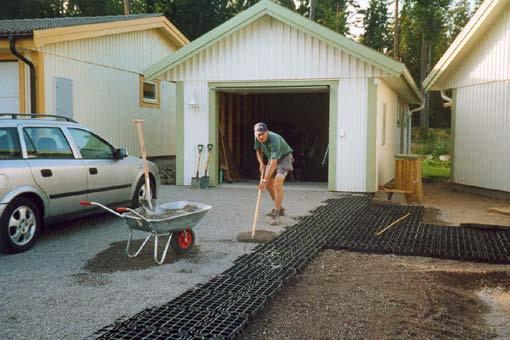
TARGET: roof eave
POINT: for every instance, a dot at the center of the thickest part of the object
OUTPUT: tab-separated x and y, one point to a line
463	38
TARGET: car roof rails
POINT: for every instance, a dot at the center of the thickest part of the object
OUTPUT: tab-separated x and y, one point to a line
37	115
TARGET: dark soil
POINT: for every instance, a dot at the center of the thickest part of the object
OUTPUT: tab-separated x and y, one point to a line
352	295
115	259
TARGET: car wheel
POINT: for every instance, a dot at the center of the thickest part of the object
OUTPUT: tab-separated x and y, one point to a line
183	241
140	193
20	225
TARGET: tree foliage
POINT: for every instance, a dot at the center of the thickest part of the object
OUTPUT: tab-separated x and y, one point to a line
377	33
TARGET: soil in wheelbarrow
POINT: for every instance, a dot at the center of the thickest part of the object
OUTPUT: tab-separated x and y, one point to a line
168	213
114	259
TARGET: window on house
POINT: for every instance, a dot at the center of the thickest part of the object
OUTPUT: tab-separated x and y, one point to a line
149	93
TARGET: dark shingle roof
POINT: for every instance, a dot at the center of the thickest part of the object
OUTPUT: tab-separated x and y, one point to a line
26	27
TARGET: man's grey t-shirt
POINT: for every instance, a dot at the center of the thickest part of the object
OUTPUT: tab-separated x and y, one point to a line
275	146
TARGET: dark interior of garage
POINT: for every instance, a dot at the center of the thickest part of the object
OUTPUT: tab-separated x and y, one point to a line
300	116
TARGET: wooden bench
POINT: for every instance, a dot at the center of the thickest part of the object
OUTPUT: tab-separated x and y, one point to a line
407	179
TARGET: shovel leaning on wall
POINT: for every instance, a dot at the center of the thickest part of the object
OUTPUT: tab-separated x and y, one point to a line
195	181
204	180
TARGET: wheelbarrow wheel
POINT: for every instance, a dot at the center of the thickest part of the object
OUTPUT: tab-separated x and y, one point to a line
183	241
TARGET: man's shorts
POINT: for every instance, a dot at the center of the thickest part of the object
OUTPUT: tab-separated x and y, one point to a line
284	165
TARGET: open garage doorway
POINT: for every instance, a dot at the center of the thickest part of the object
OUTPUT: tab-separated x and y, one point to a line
299	114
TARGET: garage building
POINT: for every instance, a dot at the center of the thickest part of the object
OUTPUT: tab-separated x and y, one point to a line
342	106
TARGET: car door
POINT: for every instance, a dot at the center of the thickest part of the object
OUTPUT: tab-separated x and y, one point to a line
55	168
109	179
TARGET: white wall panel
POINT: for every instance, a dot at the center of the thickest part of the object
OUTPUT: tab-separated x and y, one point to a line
105	74
488	60
482	141
132	51
385	159
107	100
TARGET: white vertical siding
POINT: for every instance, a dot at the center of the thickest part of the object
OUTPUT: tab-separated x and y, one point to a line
352	149
105	74
482	139
488	60
385	154
132	51
268	49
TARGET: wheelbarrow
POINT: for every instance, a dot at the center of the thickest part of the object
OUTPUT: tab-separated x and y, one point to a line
176	222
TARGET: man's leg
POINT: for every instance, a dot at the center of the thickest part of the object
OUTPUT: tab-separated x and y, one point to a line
278	190
270	188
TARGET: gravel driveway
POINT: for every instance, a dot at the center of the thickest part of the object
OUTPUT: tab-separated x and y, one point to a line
78	279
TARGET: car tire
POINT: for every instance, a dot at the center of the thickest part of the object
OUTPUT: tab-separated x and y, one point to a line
182	241
20	225
139	192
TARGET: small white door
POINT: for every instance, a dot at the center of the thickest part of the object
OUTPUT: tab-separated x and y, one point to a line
9	87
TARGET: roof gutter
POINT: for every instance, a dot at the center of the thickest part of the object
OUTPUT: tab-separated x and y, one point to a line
447	99
12	45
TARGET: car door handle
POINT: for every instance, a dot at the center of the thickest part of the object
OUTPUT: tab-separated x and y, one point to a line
46	173
93	171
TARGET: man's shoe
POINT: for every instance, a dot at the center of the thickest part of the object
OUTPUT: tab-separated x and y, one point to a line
275	218
282	212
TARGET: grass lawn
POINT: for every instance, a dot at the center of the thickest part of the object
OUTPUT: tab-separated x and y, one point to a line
434	172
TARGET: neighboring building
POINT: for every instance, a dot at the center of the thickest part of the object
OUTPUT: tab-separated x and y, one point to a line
476	68
90	69
315	86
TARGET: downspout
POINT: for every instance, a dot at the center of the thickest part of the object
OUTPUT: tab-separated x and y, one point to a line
409	117
12	44
447	99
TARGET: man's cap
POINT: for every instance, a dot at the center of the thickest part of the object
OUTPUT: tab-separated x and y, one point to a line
260	127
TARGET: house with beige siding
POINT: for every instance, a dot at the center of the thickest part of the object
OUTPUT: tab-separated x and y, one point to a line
476	71
343	107
90	69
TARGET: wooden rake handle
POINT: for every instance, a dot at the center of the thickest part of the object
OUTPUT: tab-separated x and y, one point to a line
139	126
257	207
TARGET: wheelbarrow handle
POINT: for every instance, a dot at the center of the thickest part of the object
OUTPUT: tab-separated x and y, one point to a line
88	203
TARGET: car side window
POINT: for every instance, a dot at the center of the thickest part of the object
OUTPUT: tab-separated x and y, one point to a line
46	142
9	144
91	146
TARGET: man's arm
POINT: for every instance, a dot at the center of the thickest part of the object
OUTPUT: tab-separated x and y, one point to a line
270	171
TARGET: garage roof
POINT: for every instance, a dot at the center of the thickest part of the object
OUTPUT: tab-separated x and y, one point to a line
266	7
474	30
26	27
48	30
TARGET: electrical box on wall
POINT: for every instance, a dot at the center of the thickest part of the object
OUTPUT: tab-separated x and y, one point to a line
64	97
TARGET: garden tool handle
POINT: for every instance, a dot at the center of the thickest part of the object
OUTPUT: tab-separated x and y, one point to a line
200	148
139	127
209	148
257	207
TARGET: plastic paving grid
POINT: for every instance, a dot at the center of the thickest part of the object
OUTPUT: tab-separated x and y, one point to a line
221	308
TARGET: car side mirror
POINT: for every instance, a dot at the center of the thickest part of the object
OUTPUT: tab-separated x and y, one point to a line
121	153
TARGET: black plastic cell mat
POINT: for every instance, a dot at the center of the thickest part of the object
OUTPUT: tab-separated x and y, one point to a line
222	307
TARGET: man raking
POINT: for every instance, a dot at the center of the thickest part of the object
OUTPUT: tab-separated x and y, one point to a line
279	155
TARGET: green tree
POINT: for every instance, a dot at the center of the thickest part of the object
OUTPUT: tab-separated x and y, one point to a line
458	16
375	22
332	14
423	36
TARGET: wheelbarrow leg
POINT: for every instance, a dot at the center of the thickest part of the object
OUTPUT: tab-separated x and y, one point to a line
163	255
139	249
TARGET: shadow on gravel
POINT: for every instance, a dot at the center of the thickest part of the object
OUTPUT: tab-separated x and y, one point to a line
115	259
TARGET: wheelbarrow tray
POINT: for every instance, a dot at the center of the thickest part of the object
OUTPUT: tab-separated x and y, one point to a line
168	224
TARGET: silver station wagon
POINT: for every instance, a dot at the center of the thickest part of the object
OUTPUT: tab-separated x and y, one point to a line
48	164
